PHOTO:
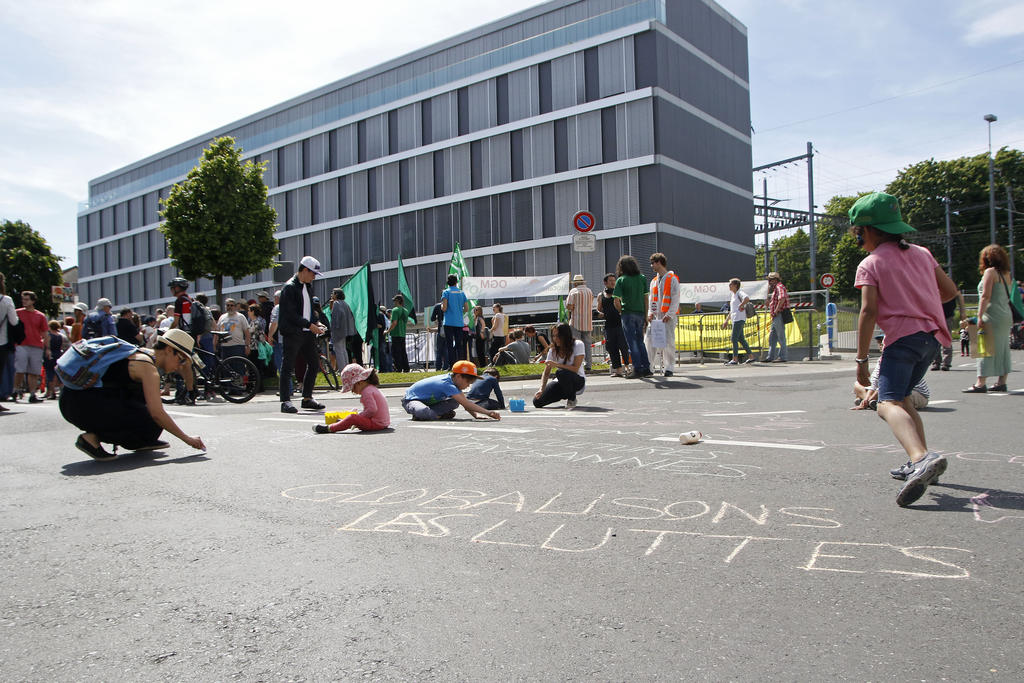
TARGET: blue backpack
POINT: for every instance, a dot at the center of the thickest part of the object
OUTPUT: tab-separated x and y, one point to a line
93	325
82	366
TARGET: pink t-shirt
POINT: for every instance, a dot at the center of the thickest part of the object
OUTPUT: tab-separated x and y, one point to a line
375	406
908	295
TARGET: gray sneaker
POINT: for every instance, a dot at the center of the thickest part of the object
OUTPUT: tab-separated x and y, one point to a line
570	404
902	471
924	473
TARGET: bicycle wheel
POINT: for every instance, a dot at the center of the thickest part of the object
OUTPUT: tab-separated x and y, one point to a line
328	372
237	379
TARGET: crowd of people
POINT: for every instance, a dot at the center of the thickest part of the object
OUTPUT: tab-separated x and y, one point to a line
903	291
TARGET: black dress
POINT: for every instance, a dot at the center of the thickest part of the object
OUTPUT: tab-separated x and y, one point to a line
115	412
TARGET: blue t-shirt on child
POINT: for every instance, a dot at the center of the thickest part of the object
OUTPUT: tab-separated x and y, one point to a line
482	389
453	317
432	390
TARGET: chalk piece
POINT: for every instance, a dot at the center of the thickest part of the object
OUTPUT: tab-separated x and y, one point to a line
690	438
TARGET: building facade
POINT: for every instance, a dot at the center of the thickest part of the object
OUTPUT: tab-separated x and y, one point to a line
636	110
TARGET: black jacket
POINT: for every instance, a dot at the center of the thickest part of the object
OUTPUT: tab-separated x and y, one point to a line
289	317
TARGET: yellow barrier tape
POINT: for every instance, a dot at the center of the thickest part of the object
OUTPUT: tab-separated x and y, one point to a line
696	332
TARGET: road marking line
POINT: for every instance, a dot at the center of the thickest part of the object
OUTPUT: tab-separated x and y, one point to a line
475	429
945	400
290	419
551	413
759	444
175	412
767	412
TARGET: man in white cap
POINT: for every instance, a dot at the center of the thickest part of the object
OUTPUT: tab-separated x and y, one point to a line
81	310
100	323
298	333
580	306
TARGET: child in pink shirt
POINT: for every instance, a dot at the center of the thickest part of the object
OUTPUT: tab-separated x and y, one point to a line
902	289
375	415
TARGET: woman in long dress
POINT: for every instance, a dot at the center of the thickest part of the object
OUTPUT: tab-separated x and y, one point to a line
994	318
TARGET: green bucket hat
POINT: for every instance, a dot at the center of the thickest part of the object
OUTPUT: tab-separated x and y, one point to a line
881	211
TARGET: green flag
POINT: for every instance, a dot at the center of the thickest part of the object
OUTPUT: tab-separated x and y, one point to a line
406	292
458	267
359	297
563	315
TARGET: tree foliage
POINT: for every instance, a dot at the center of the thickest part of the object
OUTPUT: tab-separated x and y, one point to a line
217	222
920	189
964	181
28	263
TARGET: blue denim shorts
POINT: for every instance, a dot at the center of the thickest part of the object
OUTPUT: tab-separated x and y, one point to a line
903	365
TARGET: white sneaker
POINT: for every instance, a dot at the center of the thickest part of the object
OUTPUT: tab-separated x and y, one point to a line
615	372
570	404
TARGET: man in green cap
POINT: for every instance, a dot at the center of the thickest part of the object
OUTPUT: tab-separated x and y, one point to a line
902	289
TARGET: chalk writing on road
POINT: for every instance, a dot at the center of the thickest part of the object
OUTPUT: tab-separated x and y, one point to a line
640	527
643	456
987	508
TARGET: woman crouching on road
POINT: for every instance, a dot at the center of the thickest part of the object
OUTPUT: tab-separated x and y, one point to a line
126	410
902	287
565	356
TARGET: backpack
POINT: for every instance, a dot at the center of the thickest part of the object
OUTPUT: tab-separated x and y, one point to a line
93	325
202	319
83	365
15	333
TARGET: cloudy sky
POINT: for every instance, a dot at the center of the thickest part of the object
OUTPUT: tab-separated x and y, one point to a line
88	87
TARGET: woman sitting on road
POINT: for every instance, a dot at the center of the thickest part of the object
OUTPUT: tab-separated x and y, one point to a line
127	411
566	356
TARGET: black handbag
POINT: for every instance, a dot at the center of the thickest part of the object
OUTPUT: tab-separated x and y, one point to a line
787	316
1017	317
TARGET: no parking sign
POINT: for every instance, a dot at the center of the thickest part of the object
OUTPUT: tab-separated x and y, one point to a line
584	221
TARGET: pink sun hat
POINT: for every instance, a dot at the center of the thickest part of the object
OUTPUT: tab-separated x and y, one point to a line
352	373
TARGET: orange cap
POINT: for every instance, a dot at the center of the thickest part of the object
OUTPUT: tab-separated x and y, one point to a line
464	367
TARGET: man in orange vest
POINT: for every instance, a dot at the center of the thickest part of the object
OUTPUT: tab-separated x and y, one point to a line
664	306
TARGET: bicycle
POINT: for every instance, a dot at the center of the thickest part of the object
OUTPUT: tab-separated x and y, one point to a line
325	368
235	379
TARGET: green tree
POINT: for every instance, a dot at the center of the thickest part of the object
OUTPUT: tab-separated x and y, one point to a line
843	253
964	181
217	222
28	263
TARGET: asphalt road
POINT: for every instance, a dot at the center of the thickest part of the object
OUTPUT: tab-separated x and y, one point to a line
547	546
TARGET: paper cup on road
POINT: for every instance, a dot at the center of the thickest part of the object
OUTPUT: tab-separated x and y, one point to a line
690	438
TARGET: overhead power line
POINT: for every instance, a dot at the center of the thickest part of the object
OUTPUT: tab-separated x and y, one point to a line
890	99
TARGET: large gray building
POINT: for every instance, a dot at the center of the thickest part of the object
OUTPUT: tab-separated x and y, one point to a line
636	110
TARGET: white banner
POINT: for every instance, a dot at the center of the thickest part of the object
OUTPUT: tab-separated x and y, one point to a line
718	292
508	287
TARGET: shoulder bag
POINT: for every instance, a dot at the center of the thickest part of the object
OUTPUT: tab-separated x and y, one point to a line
1014	310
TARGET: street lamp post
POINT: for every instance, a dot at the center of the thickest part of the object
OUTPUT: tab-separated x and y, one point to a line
991	118
949	242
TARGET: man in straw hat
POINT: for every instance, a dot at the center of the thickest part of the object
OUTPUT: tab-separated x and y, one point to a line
580	306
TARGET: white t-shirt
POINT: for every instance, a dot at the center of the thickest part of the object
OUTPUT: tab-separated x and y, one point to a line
498	328
8	314
235	324
307	306
165	324
736	311
578	349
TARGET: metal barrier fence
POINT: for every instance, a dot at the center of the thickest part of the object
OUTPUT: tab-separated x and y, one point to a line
697	335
